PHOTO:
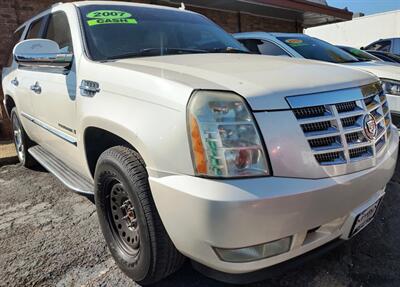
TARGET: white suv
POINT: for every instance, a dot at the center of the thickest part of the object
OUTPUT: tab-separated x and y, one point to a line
193	147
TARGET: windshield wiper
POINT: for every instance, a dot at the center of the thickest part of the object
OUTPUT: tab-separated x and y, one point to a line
351	61
156	52
171	51
228	50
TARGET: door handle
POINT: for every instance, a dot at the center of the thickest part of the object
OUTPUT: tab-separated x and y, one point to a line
15	82
36	88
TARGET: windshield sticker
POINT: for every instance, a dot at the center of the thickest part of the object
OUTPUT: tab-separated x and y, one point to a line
295	42
100	17
356	52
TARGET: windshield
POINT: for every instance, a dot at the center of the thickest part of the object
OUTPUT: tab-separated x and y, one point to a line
122	31
360	54
315	49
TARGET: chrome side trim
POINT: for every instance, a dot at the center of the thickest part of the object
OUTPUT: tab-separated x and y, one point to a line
89	88
50	129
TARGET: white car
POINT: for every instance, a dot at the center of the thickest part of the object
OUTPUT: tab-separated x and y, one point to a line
303	46
192	147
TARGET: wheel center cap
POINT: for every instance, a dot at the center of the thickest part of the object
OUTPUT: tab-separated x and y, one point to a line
129	213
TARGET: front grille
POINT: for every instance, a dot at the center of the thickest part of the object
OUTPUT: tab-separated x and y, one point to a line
350	121
314	127
360	152
346	107
335	132
318	111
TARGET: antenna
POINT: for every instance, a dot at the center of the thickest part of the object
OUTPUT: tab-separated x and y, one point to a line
182	6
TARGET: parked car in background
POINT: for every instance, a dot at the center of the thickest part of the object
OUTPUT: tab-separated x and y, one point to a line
303	46
360	54
390	45
385	56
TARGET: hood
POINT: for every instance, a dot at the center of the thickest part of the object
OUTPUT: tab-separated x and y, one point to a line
380	69
264	81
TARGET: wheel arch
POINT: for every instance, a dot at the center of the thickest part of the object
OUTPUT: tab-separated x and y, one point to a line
97	139
9	104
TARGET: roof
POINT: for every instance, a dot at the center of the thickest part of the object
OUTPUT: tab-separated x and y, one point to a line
306	13
124	3
261	34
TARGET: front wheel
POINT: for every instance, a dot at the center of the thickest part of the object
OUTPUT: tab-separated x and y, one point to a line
129	219
22	141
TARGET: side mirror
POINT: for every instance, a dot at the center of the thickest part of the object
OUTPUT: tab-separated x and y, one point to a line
41	53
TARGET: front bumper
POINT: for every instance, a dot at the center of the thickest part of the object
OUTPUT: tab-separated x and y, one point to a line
200	214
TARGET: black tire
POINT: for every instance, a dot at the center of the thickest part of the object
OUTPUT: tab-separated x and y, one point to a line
22	141
123	196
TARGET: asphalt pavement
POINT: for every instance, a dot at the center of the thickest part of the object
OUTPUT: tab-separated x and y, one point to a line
50	236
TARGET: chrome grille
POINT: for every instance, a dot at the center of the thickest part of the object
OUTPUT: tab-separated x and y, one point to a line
346	107
310	112
335	132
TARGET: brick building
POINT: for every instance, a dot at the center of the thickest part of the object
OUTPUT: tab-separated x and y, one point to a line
232	15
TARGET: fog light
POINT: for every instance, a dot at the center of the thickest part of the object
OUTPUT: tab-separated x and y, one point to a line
256	252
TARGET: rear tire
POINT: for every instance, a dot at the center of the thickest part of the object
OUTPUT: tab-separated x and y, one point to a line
22	141
129	219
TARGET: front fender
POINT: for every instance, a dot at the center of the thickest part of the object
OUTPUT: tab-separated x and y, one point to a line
160	136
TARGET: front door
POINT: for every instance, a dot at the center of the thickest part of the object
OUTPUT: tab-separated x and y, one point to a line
53	92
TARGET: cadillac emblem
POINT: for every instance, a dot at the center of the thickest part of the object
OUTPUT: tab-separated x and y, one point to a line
370	127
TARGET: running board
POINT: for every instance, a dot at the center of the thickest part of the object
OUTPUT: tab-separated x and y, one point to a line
59	169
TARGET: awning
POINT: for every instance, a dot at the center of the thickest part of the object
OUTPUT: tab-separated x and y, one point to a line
305	13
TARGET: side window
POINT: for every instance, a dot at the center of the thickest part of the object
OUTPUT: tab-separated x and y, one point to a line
252	45
268	48
34	29
15	39
263	47
58	30
380	46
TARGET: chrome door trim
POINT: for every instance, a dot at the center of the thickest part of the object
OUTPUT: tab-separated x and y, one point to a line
36	88
89	88
48	60
50	129
15	82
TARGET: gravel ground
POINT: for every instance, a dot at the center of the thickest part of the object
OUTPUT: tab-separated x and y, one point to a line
50	236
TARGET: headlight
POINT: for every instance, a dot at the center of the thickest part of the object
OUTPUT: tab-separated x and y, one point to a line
223	135
391	87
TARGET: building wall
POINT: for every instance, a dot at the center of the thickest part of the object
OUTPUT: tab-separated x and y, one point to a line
14	12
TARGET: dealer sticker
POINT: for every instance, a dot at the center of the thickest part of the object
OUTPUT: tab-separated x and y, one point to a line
101	17
295	42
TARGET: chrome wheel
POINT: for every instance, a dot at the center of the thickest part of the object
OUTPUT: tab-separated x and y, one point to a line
124	221
18	139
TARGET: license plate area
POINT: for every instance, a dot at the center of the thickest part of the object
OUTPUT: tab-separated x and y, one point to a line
365	218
